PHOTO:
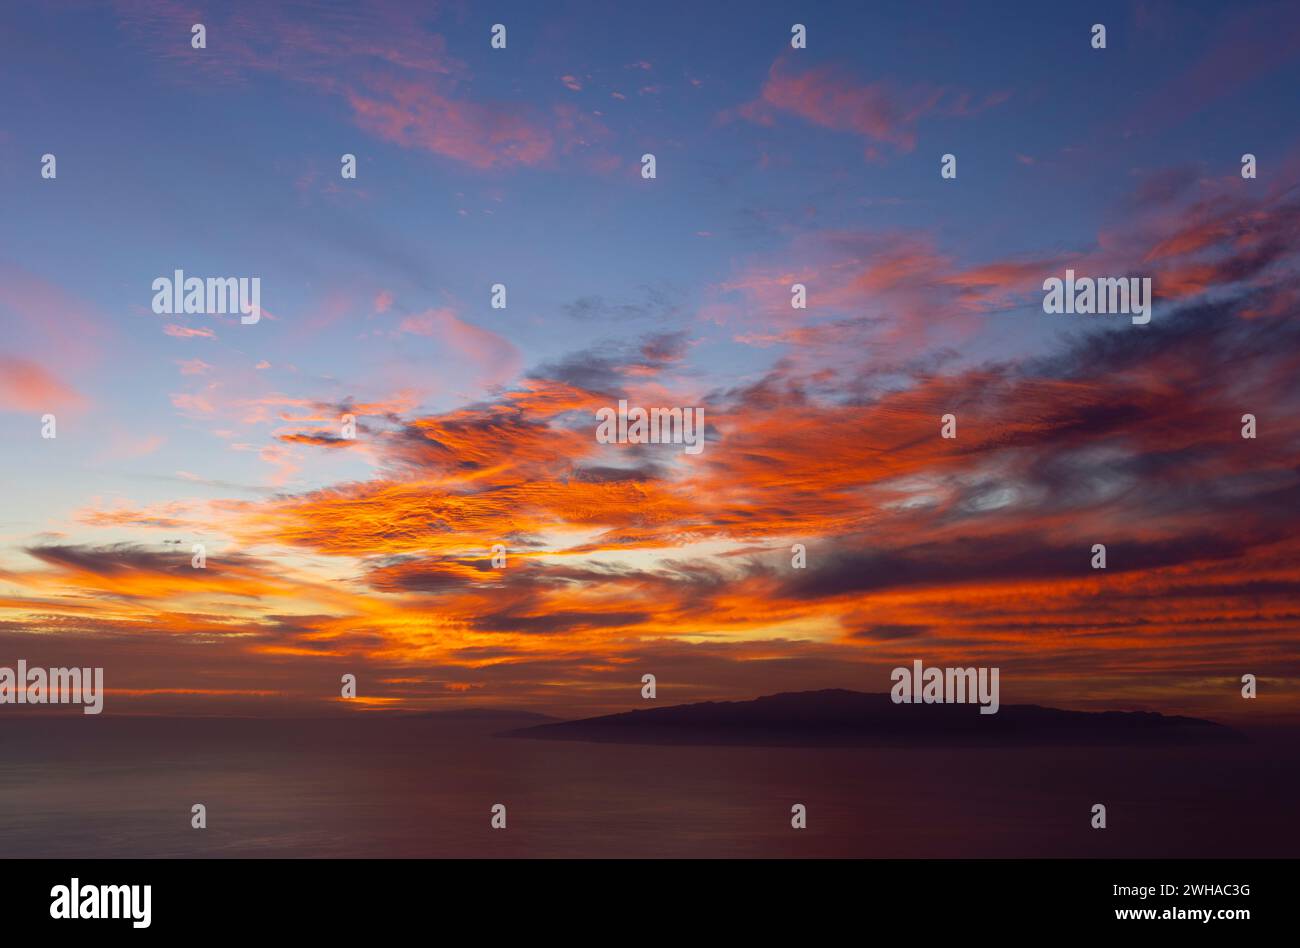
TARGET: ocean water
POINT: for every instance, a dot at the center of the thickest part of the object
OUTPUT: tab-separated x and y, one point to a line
377	786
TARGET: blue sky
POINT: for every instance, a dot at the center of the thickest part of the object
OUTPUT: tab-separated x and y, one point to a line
521	166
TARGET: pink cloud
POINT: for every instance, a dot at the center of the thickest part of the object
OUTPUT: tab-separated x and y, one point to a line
188	332
414	114
192	404
25	386
401	83
879	112
495	355
124	445
51	323
1245	47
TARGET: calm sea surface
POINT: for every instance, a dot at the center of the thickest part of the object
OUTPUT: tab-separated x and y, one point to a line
115	787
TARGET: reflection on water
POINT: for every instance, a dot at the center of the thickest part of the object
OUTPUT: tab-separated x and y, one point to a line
116	787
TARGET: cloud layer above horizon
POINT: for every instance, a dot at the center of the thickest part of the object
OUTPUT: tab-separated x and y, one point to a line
475	426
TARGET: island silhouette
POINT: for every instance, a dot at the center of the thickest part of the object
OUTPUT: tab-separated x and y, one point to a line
841	718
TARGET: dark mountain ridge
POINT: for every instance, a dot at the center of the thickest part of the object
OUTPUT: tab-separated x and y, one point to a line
839	718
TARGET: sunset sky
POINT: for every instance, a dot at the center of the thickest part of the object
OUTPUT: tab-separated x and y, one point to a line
476	426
